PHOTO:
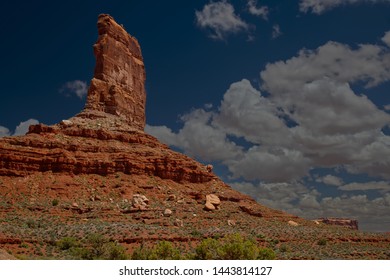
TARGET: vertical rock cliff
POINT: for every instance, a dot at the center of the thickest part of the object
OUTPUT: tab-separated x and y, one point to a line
118	85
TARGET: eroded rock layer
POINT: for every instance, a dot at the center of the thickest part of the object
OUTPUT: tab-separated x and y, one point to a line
76	149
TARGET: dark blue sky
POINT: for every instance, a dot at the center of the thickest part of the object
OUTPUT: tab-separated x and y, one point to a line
195	60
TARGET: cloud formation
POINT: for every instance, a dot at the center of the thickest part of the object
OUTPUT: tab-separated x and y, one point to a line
335	61
257	11
321	6
311	119
211	145
4	131
386	38
221	19
377	185
21	129
276	32
76	87
298	199
330	180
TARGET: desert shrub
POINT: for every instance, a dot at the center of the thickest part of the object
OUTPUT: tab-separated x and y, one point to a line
115	251
322	242
284	248
96	244
232	247
163	250
207	250
55	202
31	223
196	233
236	247
66	243
140	253
96	247
266	254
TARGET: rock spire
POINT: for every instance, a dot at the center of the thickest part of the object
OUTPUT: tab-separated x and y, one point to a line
118	85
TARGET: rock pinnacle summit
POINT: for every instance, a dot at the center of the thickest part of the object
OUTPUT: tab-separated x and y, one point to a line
118	85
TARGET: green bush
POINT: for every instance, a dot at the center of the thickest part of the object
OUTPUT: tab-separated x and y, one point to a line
96	247
208	249
55	202
141	253
322	242
266	254
284	248
67	242
163	250
235	247
31	223
232	247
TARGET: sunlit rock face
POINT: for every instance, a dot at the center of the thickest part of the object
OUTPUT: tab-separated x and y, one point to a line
118	85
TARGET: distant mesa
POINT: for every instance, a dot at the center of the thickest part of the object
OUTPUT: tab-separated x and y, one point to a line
349	223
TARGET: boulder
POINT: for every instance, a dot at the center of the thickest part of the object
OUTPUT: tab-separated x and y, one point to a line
178	223
140	201
212	202
213	199
167	212
293	224
209	206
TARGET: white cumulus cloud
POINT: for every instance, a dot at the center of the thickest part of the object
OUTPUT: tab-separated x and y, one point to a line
321	6
76	87
244	112
270	164
331	180
198	137
20	129
338	62
386	38
257	11
4	131
377	185
312	118
221	19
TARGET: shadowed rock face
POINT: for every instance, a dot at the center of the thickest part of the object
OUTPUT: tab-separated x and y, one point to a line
118	85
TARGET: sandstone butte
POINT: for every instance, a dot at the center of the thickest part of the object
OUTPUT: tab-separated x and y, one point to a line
99	172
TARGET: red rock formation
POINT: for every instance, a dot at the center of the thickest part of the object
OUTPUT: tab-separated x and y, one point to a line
118	84
107	136
349	223
79	150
